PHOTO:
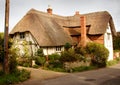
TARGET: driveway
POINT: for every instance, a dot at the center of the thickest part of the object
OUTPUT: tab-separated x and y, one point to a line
104	76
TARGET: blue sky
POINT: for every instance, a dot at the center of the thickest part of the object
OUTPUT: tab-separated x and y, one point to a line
18	8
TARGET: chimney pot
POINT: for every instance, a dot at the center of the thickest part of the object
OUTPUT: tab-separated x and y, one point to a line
49	10
77	13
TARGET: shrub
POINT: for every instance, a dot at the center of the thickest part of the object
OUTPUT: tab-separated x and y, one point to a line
23	75
81	54
35	66
67	46
12	59
26	62
72	55
54	60
99	54
80	57
68	56
12	63
14	77
54	57
80	50
40	60
40	52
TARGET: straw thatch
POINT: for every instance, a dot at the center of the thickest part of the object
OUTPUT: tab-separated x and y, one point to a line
48	29
97	21
44	29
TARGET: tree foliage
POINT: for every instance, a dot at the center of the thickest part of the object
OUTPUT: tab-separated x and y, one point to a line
116	43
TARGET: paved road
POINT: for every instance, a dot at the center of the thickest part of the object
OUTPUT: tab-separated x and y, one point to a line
105	76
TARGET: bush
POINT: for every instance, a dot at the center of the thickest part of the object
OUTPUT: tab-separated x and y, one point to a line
54	60
67	46
35	66
81	54
12	64
14	77
54	57
40	60
40	52
23	75
26	62
80	50
68	56
12	60
99	54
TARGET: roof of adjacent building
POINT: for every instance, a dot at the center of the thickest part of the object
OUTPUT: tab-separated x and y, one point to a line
48	29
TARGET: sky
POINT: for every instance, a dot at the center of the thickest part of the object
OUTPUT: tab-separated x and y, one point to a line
18	8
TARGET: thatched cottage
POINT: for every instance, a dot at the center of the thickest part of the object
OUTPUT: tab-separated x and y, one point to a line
51	32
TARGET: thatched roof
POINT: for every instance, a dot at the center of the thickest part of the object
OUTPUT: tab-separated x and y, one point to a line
48	29
97	21
43	28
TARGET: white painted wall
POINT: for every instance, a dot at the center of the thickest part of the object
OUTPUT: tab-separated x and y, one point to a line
109	43
34	47
18	43
51	50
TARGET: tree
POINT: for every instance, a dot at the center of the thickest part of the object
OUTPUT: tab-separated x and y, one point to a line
116	43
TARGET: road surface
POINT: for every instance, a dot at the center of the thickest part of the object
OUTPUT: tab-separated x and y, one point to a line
104	76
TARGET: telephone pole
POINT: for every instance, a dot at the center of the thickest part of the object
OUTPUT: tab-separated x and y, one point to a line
5	65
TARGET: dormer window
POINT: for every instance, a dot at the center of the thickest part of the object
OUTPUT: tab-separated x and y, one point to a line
22	35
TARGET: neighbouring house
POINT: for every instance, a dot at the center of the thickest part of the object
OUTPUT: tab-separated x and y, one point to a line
51	32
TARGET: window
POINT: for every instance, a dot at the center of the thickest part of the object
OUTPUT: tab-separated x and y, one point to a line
58	48
22	35
108	36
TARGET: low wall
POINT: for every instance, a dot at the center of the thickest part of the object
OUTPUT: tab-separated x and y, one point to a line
69	65
116	54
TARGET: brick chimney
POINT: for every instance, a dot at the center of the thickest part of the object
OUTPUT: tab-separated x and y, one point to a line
77	13
49	10
83	31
